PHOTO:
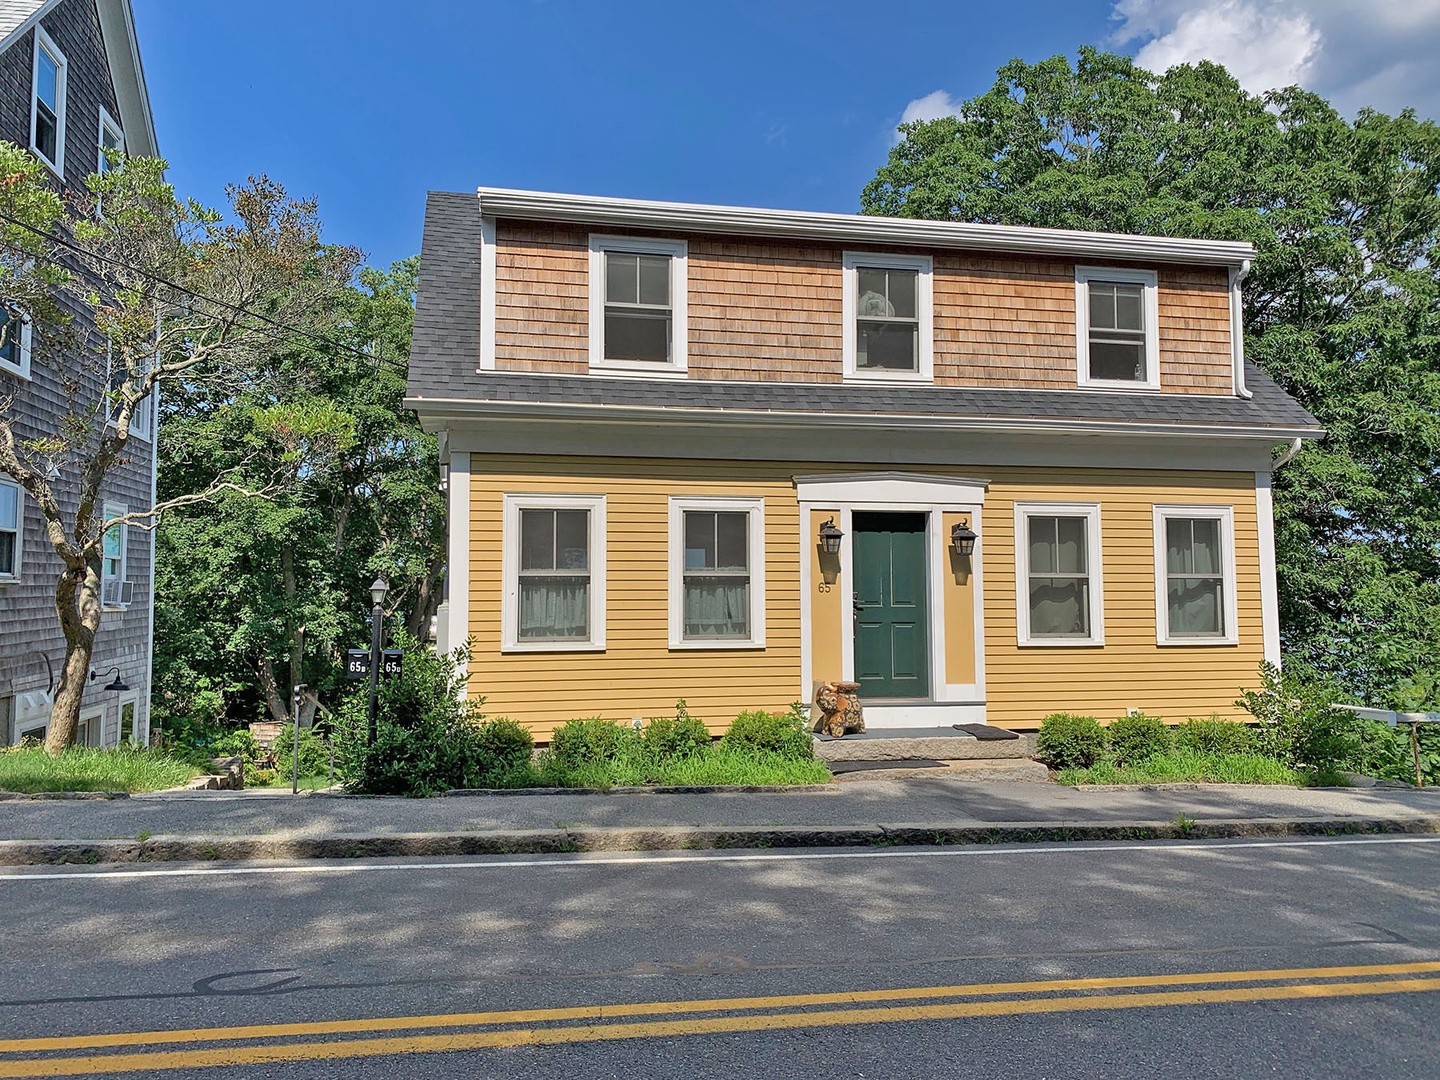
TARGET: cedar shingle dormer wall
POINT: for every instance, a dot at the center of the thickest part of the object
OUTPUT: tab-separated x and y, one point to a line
1000	320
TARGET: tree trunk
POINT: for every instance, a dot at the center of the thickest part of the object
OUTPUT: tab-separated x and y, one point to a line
427	602
274	700
77	603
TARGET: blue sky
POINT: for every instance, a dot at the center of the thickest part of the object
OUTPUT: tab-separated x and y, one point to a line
368	104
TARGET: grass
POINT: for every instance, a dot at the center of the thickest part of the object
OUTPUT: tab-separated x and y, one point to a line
307	783
85	769
713	766
1188	767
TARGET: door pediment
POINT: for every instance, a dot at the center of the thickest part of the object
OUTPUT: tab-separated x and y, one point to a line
890	489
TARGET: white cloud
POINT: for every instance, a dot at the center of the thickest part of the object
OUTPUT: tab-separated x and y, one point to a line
1379	53
931	107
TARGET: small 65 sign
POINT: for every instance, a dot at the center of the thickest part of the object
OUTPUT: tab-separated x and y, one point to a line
357	663
390	661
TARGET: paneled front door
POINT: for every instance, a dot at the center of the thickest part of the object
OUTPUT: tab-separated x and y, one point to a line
891	621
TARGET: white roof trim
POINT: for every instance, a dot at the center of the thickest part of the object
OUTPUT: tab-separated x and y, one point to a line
432	410
855	228
26	24
122	52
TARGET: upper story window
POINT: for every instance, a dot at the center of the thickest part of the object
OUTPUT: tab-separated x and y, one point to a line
14	343
888	316
553	550
115	587
47	106
1057	568
115	376
1195	575
111	138
12	523
1116	312
637	304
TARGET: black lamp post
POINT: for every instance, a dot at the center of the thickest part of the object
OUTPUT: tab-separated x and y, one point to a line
830	537
962	539
377	645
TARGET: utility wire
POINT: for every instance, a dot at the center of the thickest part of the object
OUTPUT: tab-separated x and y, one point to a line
319	339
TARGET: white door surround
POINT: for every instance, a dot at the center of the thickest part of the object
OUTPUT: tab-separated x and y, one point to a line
949	703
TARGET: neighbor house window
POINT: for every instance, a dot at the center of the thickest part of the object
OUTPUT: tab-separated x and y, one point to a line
717	572
129	710
14	343
115	588
637	303
1195	575
1116	312
116	373
554	556
88	729
47	107
1057	569
12	525
888	318
111	139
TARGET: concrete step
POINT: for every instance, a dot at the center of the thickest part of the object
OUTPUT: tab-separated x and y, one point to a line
1021	770
934	744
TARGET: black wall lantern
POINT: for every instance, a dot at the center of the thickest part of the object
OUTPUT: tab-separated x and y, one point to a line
830	536
117	684
962	539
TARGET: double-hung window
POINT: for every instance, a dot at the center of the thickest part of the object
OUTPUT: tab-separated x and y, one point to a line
1195	575
47	105
115	589
1057	570
14	343
1116	312
637	304
554	567
717	573
116	375
111	139
888	316
12	527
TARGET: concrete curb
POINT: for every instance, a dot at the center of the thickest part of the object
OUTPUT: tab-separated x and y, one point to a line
671	838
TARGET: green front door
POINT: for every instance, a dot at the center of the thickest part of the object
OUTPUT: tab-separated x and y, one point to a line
891	643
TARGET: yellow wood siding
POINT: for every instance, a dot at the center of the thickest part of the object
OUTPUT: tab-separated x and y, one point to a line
639	675
827	603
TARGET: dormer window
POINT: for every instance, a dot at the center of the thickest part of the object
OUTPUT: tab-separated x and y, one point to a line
888	318
637	304
47	107
1115	318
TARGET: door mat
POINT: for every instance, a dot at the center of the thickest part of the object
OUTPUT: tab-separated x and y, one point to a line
838	767
986	731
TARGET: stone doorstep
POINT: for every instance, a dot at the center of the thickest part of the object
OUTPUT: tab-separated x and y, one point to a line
877	746
1014	770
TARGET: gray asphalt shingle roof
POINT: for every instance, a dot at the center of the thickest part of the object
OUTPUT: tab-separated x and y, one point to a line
445	350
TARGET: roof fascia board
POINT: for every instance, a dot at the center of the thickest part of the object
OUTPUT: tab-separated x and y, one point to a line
27	25
122	52
461	408
856	228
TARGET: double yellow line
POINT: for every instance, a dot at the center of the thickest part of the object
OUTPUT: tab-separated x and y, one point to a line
595	1023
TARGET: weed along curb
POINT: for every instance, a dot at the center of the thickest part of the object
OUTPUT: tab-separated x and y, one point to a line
680	838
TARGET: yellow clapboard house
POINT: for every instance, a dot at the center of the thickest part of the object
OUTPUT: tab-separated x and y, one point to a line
724	454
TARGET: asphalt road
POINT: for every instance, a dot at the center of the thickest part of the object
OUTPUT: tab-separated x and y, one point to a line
1296	958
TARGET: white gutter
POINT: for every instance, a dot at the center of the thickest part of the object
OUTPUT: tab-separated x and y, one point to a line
1237	331
855	228
461	408
1284	458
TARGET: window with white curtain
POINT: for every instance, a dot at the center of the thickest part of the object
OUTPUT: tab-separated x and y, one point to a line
717	579
1195	575
1057	572
554	572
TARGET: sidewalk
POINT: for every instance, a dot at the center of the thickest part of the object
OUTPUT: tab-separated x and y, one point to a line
223	825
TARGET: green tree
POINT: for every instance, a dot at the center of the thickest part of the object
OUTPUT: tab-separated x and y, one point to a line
1340	306
255	598
130	289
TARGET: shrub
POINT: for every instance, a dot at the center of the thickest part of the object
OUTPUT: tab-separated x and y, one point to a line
1135	738
1067	741
314	754
507	743
1214	736
589	742
668	739
1298	723
784	734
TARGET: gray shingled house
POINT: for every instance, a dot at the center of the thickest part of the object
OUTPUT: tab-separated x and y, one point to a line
71	84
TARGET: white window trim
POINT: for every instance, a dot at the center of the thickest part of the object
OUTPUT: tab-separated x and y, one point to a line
1091	513
1226	516
128	699
20	368
43	40
755	508
12	578
1083	276
678	250
510	568
851	261
107	513
110	124
91	714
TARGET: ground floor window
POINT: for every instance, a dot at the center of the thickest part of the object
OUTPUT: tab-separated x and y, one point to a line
1057	573
554	565
716	572
1194	574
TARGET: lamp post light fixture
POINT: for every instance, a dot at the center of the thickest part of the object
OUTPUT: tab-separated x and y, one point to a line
377	643
830	537
962	539
117	684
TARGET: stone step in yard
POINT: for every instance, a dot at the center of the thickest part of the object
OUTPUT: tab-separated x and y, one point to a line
932	744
